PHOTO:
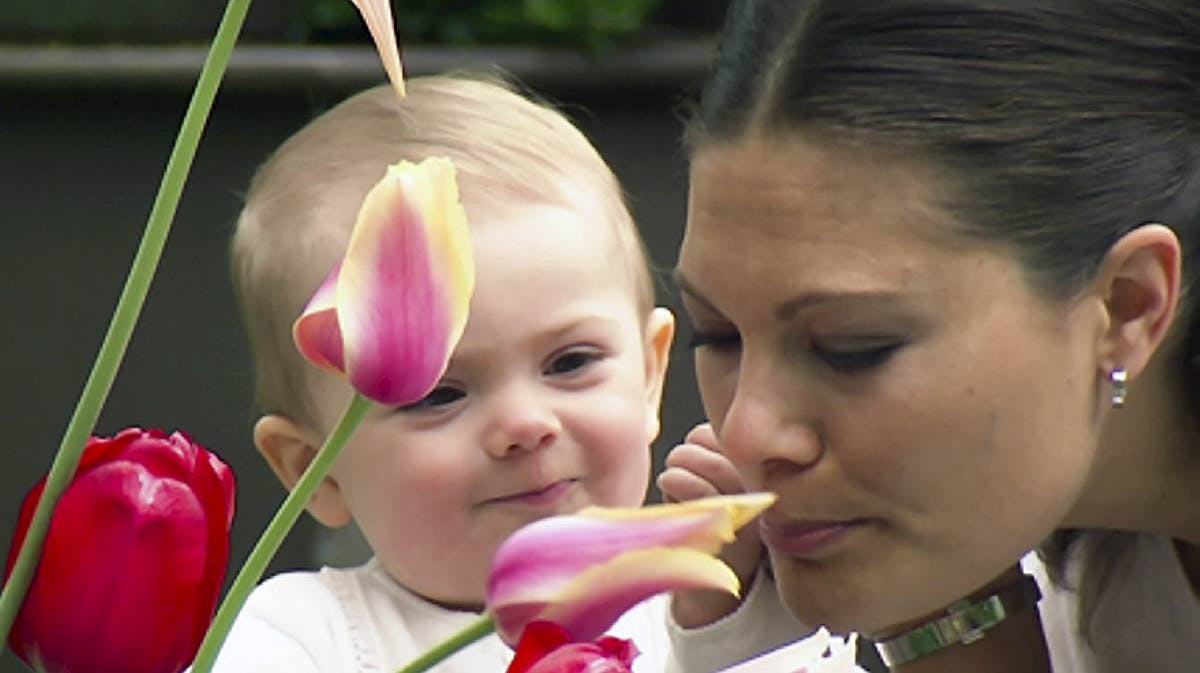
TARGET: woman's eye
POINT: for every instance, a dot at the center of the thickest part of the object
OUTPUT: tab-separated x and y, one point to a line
718	341
853	360
439	396
572	361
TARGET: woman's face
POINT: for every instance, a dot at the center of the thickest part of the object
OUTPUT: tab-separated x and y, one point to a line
923	414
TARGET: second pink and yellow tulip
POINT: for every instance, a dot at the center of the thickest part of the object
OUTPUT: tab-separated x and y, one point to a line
583	571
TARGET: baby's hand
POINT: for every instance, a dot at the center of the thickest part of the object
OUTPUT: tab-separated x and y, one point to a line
697	469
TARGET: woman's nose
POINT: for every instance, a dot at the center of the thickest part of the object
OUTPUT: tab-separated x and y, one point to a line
521	421
766	422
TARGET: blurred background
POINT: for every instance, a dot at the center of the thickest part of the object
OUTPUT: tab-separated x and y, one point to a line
91	96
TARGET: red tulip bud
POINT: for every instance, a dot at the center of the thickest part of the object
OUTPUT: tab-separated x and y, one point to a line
134	559
546	647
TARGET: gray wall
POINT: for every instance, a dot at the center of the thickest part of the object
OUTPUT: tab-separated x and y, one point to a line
80	162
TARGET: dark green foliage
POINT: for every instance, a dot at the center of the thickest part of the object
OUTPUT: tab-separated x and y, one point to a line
591	25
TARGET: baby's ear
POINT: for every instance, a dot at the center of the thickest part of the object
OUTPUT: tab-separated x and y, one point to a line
289	448
660	332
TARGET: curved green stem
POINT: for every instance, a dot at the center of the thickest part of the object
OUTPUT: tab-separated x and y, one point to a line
129	306
276	531
472	632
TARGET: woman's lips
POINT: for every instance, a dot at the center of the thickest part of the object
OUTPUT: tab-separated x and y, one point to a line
806	539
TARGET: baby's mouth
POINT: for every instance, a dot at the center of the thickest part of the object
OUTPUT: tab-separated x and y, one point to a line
550	494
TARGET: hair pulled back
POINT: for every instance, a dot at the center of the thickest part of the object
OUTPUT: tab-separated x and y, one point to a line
1064	123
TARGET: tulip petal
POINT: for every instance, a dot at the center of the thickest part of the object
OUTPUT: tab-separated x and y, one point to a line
404	287
546	554
378	16
582	571
316	331
740	508
593	601
537	640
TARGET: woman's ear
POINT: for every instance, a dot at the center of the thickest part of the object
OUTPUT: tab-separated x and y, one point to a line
288	448
1140	282
660	332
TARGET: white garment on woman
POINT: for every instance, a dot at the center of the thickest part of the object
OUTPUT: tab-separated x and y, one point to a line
1146	620
761	624
359	620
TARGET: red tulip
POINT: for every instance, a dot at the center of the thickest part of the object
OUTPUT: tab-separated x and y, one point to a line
546	647
134	559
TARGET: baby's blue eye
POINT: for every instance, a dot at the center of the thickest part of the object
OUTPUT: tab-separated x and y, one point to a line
439	396
572	361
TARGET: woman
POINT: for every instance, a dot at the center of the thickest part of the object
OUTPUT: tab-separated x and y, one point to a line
938	262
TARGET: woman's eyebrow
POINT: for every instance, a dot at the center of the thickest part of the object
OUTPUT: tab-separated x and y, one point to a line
787	310
686	287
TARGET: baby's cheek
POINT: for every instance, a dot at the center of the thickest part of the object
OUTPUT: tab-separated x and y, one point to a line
613	441
628	482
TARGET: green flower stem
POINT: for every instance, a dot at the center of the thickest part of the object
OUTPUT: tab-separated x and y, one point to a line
472	632
129	306
272	537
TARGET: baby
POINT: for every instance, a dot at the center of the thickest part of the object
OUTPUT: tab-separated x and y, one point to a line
548	405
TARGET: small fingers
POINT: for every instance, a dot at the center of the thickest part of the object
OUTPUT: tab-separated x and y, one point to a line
703	435
680	485
708	465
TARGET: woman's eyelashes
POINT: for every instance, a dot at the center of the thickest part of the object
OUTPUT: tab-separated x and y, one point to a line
714	340
847	356
849	360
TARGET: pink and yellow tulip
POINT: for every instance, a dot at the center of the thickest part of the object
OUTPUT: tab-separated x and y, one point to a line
390	314
583	571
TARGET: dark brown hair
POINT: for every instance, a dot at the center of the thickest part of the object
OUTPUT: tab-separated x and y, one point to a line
1070	121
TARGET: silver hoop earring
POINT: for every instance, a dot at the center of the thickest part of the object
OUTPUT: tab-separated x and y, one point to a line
1120	389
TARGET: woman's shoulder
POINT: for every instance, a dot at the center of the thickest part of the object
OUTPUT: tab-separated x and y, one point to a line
1145	578
1121	602
1145	615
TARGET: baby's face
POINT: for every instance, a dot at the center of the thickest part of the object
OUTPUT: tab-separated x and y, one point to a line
548	405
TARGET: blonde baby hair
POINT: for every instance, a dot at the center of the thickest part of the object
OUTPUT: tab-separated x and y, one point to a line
510	151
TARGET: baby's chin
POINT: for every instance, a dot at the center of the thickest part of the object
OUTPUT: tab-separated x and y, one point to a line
451	600
457	606
446	591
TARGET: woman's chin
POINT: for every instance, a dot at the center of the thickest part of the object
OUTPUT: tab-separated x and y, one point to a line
840	604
